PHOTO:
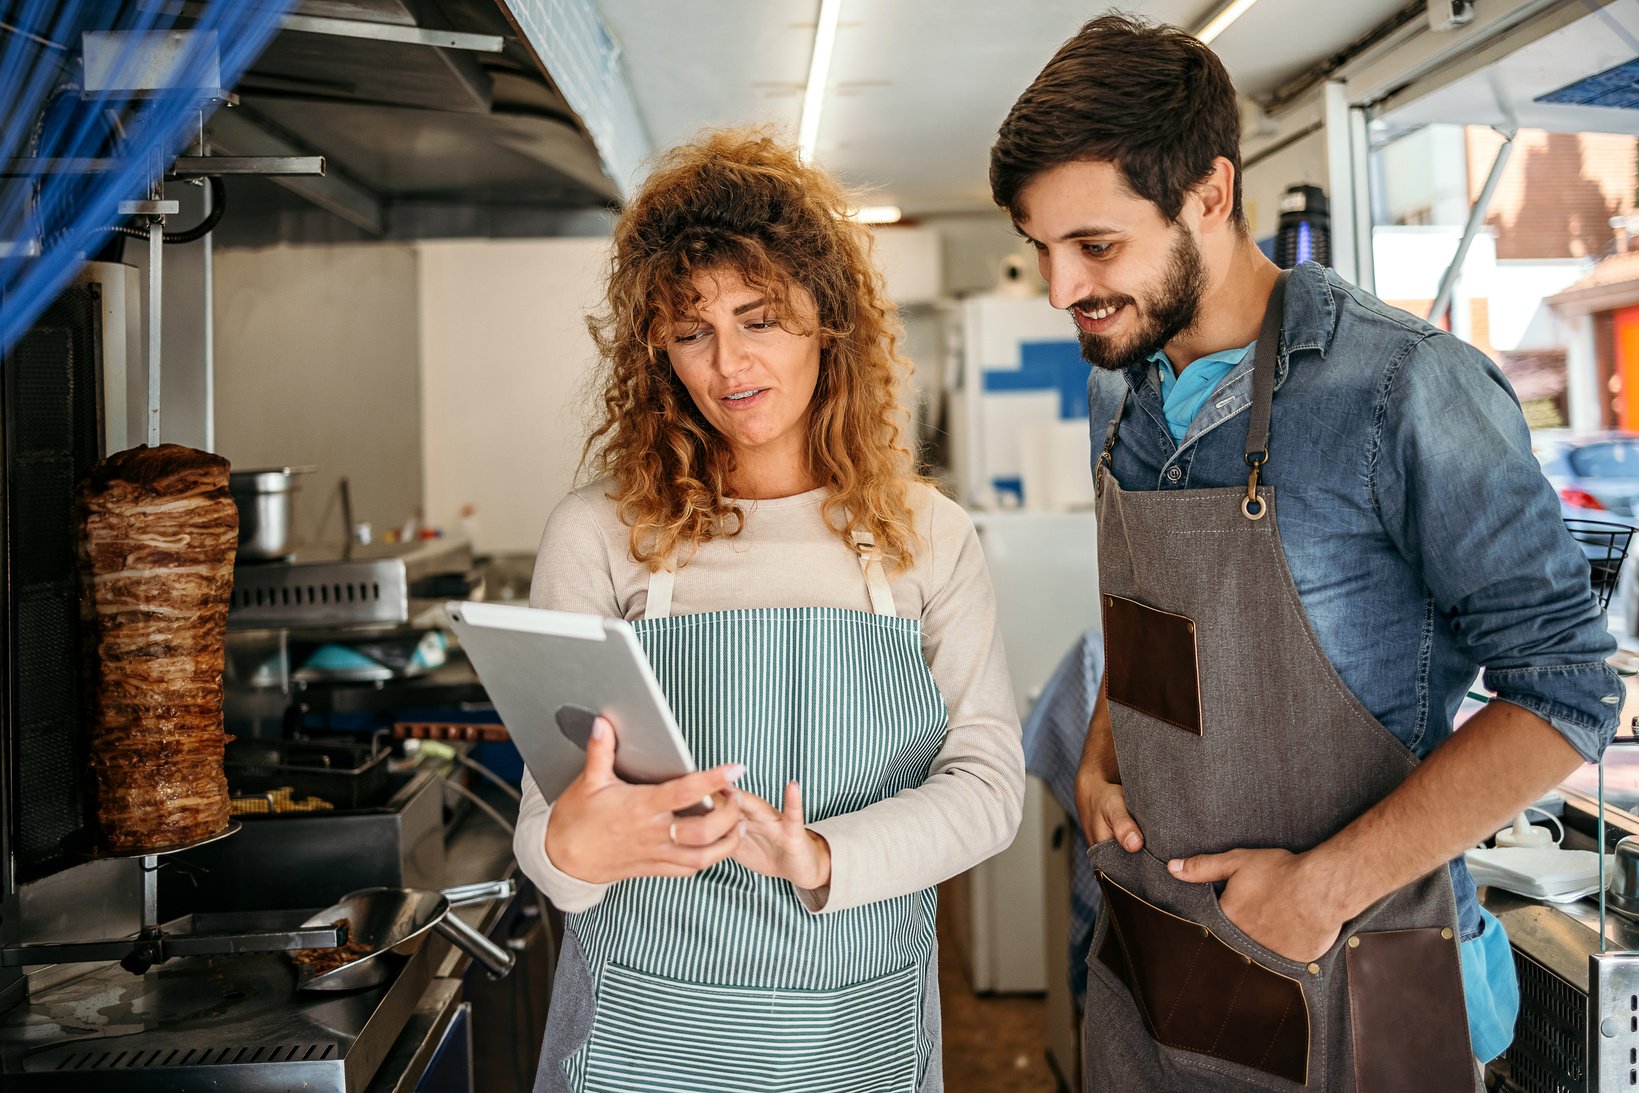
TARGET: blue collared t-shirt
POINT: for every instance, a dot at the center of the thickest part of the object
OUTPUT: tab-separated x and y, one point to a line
1182	396
1421	536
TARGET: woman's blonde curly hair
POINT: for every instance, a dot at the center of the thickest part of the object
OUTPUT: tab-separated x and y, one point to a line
742	201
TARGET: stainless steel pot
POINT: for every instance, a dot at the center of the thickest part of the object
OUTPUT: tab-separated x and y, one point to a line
265	500
394	922
1622	893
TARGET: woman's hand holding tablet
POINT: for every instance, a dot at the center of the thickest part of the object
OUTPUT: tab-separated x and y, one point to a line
604	829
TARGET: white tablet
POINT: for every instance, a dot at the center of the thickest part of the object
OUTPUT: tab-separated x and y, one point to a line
549	673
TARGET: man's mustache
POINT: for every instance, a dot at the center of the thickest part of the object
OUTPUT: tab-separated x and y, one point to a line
1094	303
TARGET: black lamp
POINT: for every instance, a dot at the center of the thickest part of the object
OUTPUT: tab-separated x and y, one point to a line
1305	233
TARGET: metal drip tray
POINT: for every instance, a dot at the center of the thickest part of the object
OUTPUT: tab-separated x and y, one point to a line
205	1024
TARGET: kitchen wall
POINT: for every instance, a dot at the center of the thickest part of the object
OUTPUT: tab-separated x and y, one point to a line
506	360
317	363
455	373
1264	181
973	247
505	365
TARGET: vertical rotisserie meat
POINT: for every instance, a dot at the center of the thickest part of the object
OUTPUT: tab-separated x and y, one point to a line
157	542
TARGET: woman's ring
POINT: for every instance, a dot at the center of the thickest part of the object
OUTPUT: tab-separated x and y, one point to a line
671	832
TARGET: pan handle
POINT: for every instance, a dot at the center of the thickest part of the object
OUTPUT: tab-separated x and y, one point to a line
482	892
496	960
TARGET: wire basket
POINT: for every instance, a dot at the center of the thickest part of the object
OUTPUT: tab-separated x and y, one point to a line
343	775
1604	544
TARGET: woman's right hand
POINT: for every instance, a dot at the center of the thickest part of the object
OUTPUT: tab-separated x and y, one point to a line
603	829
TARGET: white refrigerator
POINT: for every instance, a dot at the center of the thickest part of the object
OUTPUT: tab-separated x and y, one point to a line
1044	567
1021	461
1018	398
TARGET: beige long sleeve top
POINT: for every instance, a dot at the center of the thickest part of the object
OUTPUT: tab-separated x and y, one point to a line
786	556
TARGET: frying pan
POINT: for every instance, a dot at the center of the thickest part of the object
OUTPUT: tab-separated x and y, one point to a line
394	922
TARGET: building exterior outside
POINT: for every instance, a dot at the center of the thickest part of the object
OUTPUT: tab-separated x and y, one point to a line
1549	289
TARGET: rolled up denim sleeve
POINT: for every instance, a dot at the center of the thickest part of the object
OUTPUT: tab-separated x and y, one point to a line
1459	492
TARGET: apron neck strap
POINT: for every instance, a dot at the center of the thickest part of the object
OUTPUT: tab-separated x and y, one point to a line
876	581
1110	434
659	602
1265	363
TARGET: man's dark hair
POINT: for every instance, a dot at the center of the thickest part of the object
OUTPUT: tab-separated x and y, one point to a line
1150	99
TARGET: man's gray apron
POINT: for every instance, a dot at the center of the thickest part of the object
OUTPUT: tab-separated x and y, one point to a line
724	981
1232	729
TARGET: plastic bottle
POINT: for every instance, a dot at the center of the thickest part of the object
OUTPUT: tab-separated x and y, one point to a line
1522	833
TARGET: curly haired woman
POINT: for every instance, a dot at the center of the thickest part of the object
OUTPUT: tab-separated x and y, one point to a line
822	623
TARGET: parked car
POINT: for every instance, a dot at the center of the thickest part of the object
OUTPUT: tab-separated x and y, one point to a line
1597	479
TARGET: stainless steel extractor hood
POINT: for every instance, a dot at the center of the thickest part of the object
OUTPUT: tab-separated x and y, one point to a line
434	119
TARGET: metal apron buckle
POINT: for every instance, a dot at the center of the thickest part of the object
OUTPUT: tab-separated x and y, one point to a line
1252	507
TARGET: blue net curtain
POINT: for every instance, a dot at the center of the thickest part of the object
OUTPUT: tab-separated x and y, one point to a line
53	218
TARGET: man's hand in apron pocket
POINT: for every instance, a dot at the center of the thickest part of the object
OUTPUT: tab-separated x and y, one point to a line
1103	807
777	843
1272	897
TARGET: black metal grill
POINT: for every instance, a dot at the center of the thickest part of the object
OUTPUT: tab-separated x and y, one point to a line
37	505
135	1059
45	625
51	438
1550	1049
1604	544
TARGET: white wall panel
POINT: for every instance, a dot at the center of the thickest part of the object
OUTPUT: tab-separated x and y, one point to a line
506	362
317	352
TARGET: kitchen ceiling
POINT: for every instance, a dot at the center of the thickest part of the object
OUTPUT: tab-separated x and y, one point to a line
917	87
1518	91
434	141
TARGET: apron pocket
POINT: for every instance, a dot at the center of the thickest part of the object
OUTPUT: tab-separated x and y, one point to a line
1150	662
1410	1025
1197	994
1224	927
655	1033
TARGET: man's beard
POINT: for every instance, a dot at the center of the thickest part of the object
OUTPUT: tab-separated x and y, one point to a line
1167	311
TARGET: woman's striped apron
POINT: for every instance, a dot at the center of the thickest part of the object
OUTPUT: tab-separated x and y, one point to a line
724	981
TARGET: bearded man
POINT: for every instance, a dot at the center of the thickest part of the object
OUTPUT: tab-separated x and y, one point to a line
1319	519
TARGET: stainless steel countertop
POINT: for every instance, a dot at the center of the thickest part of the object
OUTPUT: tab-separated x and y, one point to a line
1560	935
181	1005
401	1070
195	1022
477	849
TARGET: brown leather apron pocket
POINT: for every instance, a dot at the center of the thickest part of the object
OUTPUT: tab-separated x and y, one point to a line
1409	1022
1197	994
1150	665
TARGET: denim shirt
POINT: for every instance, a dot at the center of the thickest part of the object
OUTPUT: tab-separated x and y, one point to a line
1422	537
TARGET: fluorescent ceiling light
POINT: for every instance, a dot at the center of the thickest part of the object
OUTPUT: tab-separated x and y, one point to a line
819	70
1222	18
876	214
